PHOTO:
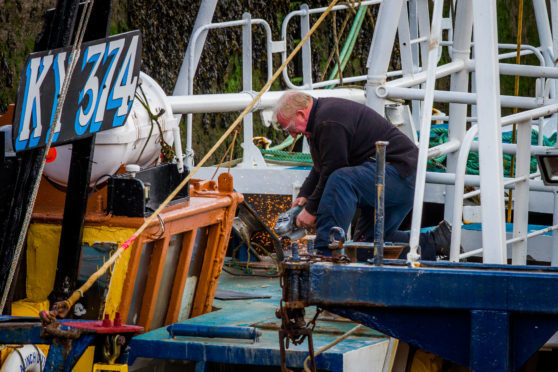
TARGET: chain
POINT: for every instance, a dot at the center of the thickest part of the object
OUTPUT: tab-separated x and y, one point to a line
313	258
294	327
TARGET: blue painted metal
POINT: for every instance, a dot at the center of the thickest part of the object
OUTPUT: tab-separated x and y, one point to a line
63	353
490	340
200	367
257	313
201	330
489	317
433	287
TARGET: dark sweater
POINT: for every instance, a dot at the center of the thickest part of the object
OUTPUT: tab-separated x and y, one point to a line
343	133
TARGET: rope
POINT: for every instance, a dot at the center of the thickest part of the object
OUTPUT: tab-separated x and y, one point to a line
223	158
63	307
74	56
232	150
330	345
336	49
332	53
515	93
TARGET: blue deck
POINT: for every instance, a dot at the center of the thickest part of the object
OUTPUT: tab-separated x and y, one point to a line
259	313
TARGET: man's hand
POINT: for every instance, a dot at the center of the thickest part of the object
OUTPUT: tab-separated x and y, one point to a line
305	219
301	200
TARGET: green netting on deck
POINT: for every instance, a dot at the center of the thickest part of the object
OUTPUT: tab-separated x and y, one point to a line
438	135
293	157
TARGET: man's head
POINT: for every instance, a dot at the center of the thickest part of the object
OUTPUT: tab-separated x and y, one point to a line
292	112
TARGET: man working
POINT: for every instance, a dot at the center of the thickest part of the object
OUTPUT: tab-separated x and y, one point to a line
342	136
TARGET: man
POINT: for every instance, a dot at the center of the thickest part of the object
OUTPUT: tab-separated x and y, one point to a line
342	136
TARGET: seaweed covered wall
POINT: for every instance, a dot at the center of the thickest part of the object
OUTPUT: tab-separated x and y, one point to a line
167	25
20	23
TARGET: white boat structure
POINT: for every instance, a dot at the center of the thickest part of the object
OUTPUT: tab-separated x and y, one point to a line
415	34
475	122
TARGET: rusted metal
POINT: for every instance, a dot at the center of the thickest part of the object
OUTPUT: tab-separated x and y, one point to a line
294	280
380	185
8	117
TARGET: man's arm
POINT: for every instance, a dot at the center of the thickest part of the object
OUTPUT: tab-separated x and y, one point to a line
334	154
308	185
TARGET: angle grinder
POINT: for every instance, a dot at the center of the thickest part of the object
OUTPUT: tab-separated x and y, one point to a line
286	227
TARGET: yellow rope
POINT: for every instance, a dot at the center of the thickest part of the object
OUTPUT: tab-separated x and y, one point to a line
232	150
515	93
224	156
332	52
79	293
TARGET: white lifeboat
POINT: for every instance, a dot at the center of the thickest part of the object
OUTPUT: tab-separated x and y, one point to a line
125	144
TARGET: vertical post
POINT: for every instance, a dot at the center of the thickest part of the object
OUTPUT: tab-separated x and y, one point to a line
426	119
413	29
247	75
490	140
306	48
78	181
459	83
404	36
380	51
251	156
545	37
521	194
380	185
490	341
184	82
18	177
204	17
424	30
554	261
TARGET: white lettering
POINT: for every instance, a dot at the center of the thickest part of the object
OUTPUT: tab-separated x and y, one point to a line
36	72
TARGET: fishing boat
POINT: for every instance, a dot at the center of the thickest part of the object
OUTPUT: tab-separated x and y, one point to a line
113	255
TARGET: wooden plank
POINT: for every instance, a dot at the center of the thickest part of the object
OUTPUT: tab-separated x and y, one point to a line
131	273
188	241
153	281
225	229
206	279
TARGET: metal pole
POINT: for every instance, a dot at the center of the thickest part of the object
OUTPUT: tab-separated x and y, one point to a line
383	39
385	91
554	260
425	130
521	195
420	77
545	36
459	83
490	139
227	102
204	17
306	49
380	185
458	192
183	86
251	156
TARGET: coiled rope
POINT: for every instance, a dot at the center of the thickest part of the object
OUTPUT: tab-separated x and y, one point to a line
62	308
74	56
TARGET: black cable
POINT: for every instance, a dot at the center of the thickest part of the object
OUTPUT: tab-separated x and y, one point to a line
94	188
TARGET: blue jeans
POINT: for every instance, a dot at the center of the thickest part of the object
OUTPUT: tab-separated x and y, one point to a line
351	187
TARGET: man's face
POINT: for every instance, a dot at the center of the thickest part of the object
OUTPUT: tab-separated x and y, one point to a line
294	126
